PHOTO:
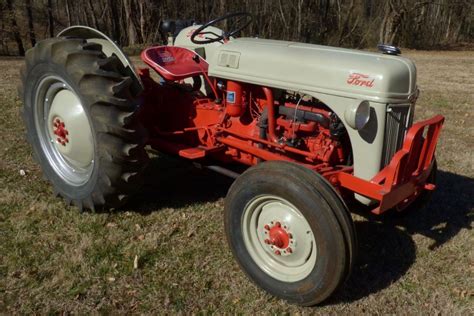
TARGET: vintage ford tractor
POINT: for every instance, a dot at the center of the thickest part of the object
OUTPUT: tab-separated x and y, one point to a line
317	127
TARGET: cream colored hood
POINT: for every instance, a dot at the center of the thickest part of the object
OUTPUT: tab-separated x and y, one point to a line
323	69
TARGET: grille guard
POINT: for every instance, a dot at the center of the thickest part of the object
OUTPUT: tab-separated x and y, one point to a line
404	178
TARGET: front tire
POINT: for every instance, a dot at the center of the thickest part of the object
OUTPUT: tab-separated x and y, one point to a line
290	232
80	117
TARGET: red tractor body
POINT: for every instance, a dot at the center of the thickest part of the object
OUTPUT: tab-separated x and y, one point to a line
244	123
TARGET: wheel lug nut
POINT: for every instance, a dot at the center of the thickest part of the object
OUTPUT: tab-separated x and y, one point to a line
289	250
277	224
290	235
267	241
267	227
277	252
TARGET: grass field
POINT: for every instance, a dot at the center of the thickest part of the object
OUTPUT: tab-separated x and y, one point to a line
55	259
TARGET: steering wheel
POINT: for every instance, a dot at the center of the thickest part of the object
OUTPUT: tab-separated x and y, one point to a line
238	16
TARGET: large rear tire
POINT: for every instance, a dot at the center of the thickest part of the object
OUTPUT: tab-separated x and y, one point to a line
80	117
290	232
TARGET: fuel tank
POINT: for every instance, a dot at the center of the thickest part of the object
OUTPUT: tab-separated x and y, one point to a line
306	67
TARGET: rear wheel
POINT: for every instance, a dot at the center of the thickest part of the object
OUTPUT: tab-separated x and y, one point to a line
79	113
290	231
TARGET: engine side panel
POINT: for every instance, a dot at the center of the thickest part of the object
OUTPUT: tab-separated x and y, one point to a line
296	66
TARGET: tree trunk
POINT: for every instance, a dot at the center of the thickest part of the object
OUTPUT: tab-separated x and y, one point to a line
141	5
68	13
50	18
131	31
31	30
92	14
15	31
115	20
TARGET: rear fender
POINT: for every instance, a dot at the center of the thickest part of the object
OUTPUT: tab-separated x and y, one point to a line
109	47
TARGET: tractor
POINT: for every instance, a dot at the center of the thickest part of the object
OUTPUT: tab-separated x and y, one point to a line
305	130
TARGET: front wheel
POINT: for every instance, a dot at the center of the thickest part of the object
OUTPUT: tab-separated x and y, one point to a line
290	232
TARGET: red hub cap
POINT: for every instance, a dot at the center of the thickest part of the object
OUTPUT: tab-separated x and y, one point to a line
60	130
278	237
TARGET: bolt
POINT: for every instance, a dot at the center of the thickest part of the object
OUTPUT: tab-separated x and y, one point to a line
284	227
267	227
290	235
289	250
267	241
277	224
277	252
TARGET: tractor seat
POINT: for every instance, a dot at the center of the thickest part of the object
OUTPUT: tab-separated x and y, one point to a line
174	63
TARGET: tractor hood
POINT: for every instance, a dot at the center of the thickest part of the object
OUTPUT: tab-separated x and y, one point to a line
315	68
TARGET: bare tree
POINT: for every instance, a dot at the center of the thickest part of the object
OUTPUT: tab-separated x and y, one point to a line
131	30
31	30
15	30
421	24
49	8
68	12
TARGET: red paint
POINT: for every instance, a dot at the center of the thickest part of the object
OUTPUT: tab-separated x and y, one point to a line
278	236
234	101
271	114
189	124
174	63
358	79
59	129
406	174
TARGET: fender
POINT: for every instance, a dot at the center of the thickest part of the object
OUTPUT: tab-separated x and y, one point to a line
109	47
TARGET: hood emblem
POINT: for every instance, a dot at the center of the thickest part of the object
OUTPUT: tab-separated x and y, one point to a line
361	80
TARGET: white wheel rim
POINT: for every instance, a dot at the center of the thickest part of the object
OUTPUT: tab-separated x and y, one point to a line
64	131
279	238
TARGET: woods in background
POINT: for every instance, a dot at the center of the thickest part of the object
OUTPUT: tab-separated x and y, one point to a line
350	23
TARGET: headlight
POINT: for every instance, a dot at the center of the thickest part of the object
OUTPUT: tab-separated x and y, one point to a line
358	115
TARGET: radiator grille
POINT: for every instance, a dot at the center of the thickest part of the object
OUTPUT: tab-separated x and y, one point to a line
398	120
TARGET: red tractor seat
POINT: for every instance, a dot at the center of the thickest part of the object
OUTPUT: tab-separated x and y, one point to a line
174	63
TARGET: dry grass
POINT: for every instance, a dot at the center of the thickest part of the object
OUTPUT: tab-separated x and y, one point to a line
55	259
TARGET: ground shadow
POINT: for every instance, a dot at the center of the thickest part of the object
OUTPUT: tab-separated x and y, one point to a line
174	183
386	248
